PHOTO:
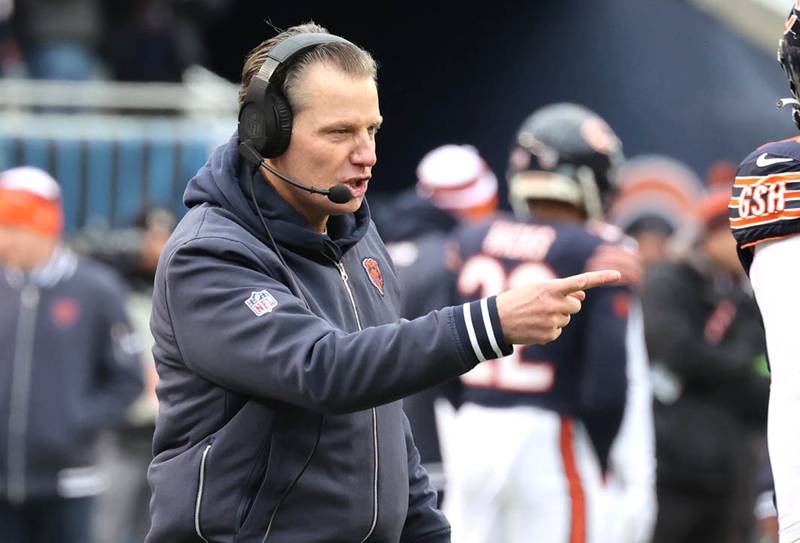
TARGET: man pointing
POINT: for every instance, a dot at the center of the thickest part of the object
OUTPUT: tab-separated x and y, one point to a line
275	313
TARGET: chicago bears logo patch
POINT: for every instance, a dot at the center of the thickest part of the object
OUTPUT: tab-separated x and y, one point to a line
65	311
261	302
374	273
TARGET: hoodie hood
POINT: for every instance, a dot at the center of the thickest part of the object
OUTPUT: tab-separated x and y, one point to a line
224	181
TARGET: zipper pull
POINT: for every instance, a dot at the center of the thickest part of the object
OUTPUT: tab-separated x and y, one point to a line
342	271
29	295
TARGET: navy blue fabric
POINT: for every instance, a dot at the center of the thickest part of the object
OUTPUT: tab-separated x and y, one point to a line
245	393
83	368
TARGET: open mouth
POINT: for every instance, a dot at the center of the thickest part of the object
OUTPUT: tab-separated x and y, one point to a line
357	186
357	183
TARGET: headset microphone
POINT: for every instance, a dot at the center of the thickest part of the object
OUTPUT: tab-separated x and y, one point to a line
338	194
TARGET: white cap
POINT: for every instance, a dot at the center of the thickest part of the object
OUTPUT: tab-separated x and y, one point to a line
456	177
32	180
31	199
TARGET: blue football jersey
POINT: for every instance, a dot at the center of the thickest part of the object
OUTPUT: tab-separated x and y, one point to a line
765	203
588	360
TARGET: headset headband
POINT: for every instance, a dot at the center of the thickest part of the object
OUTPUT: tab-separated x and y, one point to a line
265	118
292	46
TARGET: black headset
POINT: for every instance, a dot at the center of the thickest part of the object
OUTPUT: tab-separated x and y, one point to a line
265	117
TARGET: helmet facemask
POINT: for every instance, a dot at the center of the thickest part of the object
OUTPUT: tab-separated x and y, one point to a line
789	60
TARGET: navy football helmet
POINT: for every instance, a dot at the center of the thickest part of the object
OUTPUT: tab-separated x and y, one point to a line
789	59
567	153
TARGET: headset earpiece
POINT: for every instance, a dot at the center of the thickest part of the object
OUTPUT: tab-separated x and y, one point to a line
275	146
265	118
267	126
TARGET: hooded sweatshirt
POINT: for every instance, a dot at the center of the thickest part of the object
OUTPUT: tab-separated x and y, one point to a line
69	369
280	383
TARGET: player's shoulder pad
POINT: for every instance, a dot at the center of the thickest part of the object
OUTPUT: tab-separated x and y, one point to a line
765	197
772	158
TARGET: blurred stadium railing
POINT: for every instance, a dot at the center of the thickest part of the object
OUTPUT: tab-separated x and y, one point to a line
116	147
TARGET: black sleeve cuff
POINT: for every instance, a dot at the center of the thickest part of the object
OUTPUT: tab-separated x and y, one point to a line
478	325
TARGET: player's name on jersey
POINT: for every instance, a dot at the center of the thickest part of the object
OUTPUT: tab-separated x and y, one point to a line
519	241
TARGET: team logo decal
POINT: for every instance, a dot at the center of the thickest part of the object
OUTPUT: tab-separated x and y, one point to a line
64	312
599	135
261	302
374	273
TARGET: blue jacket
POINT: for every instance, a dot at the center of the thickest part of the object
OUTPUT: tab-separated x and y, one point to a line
278	422
69	367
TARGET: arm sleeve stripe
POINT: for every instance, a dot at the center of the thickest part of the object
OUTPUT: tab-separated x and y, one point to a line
473	339
487	321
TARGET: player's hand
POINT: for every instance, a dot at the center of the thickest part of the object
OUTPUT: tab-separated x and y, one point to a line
536	313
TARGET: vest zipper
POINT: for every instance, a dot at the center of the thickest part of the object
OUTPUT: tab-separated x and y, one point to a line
344	275
20	394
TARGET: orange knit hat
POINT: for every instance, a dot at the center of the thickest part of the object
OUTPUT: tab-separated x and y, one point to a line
31	199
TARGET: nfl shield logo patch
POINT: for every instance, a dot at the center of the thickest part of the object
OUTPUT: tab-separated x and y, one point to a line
374	273
261	302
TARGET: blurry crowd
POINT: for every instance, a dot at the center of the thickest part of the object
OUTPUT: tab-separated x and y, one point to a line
129	40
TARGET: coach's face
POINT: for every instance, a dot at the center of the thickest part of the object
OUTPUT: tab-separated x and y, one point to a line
336	118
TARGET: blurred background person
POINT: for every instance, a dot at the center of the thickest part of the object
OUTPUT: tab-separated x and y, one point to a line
654	204
454	185
61	38
706	341
628	499
122	513
649	206
156	40
765	511
69	366
532	438
11	62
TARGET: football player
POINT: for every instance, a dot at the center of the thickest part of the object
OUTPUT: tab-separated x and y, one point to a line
765	218
533	438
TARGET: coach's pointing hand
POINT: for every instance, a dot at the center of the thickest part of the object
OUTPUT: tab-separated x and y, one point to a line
536	313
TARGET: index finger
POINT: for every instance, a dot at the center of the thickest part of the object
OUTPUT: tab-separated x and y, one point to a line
584	281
